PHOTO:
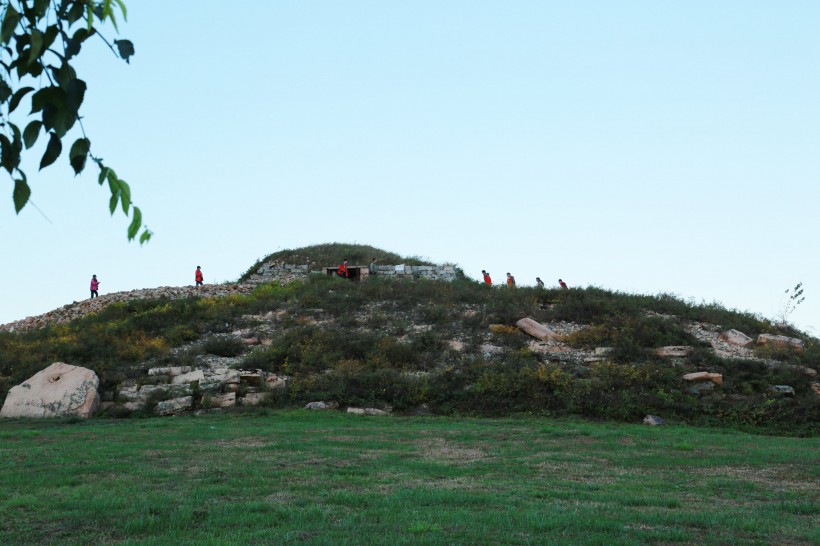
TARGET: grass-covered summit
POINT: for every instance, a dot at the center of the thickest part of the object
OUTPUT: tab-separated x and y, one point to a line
446	348
329	254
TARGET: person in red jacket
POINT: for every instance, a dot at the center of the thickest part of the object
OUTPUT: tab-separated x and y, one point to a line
487	280
563	284
343	269
510	281
95	285
198	276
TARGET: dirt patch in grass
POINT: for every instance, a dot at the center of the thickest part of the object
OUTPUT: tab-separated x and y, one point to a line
775	478
439	449
241	442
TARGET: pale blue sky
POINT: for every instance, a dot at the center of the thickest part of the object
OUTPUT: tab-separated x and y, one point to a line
638	146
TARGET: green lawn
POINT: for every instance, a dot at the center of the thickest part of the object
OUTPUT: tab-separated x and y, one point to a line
329	478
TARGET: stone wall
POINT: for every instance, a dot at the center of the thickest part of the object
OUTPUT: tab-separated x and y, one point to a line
432	272
285	273
277	272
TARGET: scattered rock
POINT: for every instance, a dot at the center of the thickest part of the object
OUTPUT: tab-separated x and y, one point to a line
780	342
226	400
785	390
61	390
736	338
322	405
674	351
254	379
536	329
253	398
653	420
172	370
366	411
456	345
489	350
715	378
174	405
277	381
190	377
600	351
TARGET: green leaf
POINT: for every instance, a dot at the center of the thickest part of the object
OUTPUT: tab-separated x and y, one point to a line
75	13
103	174
18	96
10	21
36	45
145	237
124	13
78	154
31	133
112	204
40	7
125	196
5	91
9	156
21	194
126	49
135	224
89	14
55	146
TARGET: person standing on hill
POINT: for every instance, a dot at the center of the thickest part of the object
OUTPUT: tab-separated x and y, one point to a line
539	283
95	285
198	276
487	280
563	284
373	269
343	269
510	280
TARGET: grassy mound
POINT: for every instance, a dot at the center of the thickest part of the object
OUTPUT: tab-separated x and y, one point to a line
329	254
430	345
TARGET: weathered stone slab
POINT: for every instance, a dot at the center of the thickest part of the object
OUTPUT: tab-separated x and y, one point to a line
599	351
715	378
253	398
785	390
321	405
224	375
251	378
170	370
61	390
226	400
536	329
674	351
736	338
174	405
277	381
366	411
196	375
781	342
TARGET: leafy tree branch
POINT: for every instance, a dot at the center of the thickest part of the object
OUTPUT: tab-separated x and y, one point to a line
38	41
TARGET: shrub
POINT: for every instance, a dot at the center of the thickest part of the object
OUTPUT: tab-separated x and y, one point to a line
224	346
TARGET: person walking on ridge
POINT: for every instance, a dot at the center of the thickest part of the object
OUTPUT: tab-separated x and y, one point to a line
487	280
95	285
539	283
198	276
510	280
343	269
563	284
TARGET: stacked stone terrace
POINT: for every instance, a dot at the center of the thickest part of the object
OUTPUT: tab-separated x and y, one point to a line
285	273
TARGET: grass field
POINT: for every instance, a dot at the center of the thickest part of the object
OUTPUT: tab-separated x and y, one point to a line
308	478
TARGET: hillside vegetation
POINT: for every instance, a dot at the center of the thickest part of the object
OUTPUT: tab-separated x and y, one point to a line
446	348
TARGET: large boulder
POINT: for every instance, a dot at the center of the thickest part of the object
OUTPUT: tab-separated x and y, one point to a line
780	342
674	351
61	390
736	338
536	329
698	377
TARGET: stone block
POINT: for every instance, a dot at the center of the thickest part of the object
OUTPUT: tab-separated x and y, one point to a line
170	370
175	405
60	390
196	375
736	338
366	411
781	342
715	378
253	398
653	420
536	329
